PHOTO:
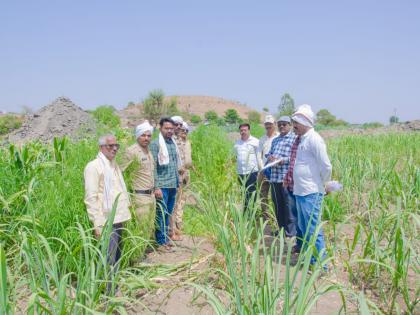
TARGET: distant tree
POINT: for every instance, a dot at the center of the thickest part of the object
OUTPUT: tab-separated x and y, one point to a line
231	116
265	109
9	123
254	117
172	108
211	115
287	105
131	104
26	110
340	122
106	115
372	125
324	117
154	106
195	119
394	120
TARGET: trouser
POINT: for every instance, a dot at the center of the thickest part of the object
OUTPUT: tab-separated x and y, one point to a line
249	181
164	209
145	212
181	200
264	193
114	251
292	207
284	215
309	217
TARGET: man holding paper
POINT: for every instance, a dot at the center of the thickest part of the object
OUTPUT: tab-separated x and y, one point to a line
279	157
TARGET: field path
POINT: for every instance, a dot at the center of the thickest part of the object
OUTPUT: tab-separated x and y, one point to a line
175	295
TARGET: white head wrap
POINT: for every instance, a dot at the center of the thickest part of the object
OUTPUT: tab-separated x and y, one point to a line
177	119
142	128
185	126
304	115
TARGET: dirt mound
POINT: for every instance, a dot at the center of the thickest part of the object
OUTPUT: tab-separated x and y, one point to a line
58	119
195	105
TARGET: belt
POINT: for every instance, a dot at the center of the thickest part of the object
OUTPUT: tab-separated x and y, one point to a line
144	192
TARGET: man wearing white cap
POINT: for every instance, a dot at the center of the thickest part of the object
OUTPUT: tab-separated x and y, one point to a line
264	148
184	147
139	161
310	168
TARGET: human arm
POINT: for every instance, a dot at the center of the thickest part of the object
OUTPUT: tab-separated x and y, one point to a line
93	206
322	159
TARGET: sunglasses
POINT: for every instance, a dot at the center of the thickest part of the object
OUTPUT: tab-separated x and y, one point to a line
111	146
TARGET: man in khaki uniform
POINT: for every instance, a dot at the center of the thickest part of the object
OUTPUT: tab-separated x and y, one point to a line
142	176
184	147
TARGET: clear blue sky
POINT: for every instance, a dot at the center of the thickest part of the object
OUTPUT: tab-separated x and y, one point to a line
359	59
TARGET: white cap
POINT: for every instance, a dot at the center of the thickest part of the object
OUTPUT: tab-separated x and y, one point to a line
285	119
143	128
185	126
177	119
269	119
304	115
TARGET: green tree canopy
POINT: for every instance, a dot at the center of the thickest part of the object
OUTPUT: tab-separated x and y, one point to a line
211	115
287	105
254	117
154	106
105	114
393	119
195	119
324	117
232	116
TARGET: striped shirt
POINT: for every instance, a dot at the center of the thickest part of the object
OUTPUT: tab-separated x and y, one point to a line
281	149
166	176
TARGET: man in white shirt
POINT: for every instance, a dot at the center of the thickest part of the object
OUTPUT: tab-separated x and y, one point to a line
310	168
263	149
246	150
104	183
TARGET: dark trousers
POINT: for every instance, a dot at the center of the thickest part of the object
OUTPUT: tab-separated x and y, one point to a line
164	209
284	215
114	250
249	181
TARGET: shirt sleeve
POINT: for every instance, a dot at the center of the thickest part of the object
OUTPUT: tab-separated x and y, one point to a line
155	151
127	159
188	158
91	195
322	159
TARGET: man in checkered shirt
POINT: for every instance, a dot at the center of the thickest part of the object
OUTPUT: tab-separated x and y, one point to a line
283	203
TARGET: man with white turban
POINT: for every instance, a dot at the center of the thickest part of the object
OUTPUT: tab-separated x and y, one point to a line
138	162
184	147
309	170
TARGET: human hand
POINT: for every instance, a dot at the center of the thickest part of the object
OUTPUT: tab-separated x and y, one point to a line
158	193
97	233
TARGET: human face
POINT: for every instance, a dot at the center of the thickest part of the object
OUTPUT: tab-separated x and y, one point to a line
183	134
284	127
269	128
245	132
178	127
110	148
299	129
144	139
167	130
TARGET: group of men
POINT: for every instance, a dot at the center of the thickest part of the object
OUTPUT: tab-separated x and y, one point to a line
159	176
294	164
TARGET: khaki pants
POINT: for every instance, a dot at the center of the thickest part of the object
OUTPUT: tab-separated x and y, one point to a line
264	195
181	200
145	206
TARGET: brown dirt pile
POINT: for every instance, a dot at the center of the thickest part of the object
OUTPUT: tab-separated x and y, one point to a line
58	119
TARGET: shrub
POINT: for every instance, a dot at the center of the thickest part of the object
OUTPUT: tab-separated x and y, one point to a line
211	115
254	117
195	119
105	114
9	123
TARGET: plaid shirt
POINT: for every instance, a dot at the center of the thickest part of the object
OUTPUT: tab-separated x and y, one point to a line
281	149
166	176
289	175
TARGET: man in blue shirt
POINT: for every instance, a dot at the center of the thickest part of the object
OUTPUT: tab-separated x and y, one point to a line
280	151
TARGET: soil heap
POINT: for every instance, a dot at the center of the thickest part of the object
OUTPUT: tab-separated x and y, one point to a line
58	119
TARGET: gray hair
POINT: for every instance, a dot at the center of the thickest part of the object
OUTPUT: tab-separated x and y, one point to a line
103	138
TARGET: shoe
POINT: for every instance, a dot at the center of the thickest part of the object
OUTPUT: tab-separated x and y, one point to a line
295	250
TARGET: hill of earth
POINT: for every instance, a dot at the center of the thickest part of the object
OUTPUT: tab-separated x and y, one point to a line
195	105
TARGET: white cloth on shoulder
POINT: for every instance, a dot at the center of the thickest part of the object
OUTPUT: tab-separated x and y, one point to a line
163	155
108	174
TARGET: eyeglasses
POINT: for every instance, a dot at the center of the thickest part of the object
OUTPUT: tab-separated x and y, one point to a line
178	124
111	146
